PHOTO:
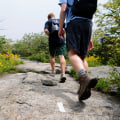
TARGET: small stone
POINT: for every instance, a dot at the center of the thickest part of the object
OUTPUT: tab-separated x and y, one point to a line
48	82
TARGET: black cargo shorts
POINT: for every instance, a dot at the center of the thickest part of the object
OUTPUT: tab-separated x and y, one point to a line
78	35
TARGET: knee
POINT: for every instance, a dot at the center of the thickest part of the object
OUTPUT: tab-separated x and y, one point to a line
52	59
71	53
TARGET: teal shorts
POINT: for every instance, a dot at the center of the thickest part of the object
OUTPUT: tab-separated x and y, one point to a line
56	51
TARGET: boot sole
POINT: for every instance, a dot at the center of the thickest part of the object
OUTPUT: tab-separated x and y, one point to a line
85	95
92	83
87	92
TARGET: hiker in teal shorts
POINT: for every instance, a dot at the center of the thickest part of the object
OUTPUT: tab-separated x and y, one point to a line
57	46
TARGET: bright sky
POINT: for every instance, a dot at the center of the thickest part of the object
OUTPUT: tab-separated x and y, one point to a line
18	17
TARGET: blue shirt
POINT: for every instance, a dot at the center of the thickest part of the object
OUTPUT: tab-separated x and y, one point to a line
69	15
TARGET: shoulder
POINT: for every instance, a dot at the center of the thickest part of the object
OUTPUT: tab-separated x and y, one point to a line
49	21
62	1
47	24
70	2
55	21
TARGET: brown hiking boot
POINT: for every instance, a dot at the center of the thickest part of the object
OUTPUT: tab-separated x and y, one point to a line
86	83
85	95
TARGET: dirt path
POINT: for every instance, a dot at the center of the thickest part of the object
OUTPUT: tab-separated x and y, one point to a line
24	97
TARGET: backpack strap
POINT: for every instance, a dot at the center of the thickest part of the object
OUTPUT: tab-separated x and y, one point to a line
69	5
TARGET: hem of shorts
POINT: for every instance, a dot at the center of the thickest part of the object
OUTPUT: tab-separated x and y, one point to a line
60	54
76	52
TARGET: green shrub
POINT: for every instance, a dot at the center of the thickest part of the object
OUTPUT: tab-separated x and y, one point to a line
106	84
103	84
8	61
93	61
73	73
42	57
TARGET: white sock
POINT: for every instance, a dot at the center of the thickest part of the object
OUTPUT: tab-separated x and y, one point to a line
81	72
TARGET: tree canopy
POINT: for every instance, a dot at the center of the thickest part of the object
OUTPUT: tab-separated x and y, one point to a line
108	31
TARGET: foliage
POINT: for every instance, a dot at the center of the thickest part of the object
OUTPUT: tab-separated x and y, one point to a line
103	84
106	84
73	73
34	46
8	61
108	32
5	44
93	61
39	57
2	41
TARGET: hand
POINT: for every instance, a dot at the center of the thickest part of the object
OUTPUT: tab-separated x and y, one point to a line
91	46
61	33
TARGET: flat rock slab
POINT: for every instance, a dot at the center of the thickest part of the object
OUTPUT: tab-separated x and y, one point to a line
24	97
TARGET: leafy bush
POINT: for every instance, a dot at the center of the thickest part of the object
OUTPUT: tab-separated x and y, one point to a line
39	57
73	73
108	32
8	61
93	61
33	46
2	41
5	45
103	84
106	84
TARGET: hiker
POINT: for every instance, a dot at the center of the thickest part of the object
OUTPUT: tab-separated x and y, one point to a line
57	46
78	40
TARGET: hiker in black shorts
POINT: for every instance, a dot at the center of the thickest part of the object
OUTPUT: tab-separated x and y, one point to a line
57	46
78	39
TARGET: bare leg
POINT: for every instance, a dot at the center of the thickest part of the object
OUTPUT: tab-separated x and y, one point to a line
62	63
85	64
52	62
75	60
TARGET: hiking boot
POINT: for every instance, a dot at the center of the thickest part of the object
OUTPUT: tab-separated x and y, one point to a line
85	95
86	83
53	73
62	78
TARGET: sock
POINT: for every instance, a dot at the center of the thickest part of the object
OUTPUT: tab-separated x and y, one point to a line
53	72
62	74
81	72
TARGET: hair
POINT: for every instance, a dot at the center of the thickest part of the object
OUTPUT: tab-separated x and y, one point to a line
50	15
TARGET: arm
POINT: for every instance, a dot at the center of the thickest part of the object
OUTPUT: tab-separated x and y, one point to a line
46	32
62	19
91	46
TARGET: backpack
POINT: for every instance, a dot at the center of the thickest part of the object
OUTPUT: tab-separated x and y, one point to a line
54	26
84	8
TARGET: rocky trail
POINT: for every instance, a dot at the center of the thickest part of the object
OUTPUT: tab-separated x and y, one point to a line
24	97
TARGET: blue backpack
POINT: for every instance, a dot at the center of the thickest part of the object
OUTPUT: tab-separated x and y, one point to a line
84	8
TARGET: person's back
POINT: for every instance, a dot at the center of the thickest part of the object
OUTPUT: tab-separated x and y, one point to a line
53	27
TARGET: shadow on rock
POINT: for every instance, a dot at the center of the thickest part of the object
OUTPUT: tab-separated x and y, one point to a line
60	93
